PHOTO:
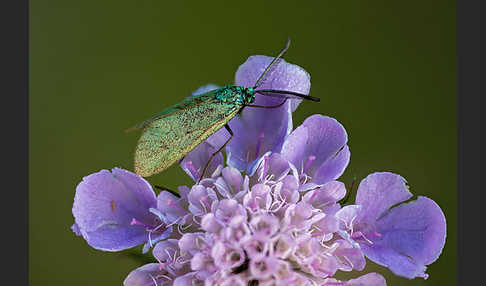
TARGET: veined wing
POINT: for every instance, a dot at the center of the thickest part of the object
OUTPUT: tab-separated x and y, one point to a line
189	102
169	138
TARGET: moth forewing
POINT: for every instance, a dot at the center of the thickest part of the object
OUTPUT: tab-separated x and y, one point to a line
170	137
186	103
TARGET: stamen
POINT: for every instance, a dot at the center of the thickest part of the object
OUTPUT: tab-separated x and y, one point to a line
310	159
349	261
205	204
360	234
180	260
351	225
226	192
154	230
304	178
194	220
153	279
176	221
265	166
179	230
259	143
164	276
280	205
268	179
168	254
137	222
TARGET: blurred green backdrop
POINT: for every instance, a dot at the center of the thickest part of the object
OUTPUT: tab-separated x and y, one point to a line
385	69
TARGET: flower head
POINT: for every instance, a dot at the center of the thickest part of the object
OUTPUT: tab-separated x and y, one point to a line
272	215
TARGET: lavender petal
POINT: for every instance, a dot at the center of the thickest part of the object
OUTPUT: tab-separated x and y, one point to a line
105	204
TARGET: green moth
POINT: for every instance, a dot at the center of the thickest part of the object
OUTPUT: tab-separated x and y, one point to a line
169	135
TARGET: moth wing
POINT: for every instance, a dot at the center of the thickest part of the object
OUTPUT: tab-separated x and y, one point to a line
187	103
169	138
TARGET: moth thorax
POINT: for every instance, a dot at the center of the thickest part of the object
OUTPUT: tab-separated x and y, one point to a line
248	95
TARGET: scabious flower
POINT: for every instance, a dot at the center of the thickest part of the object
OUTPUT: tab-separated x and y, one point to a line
272	215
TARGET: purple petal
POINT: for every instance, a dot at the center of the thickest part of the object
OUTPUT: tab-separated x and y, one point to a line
326	195
146	275
347	216
370	279
188	279
282	76
318	148
273	166
171	207
233	178
257	130
105	204
195	161
200	199
166	250
377	193
350	256
334	167
412	235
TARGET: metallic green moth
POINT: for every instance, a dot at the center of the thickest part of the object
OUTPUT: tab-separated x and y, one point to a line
169	135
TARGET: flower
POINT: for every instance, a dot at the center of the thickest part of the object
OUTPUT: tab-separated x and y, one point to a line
272	215
404	238
117	210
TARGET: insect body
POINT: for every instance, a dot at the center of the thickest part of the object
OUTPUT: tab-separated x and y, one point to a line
177	130
169	135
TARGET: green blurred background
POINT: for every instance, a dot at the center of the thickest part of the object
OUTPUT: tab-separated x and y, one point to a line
385	69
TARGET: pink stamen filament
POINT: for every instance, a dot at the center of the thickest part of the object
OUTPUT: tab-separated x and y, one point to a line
137	222
160	228
310	159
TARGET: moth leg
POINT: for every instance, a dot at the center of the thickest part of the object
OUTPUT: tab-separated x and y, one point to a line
215	153
263	106
346	198
181	159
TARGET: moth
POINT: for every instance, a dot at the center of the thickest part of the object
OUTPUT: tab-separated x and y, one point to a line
172	133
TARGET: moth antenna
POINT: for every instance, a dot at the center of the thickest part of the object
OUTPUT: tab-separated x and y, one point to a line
346	198
268	92
287	45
